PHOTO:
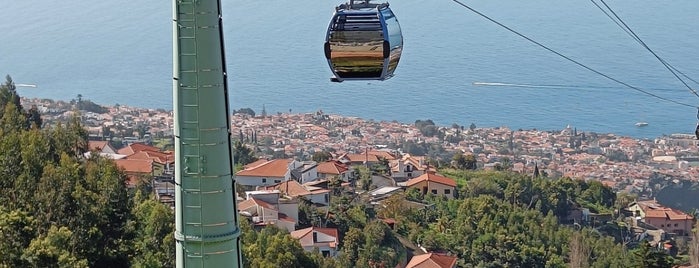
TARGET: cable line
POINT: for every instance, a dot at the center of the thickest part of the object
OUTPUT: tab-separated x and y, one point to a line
629	31
572	60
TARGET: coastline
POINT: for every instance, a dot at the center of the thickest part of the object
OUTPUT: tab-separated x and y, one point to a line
622	162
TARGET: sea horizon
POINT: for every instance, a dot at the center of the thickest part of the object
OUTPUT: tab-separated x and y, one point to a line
456	67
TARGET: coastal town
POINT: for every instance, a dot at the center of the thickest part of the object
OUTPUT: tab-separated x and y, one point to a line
623	163
272	188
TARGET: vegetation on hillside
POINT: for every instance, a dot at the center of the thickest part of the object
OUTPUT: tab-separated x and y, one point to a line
59	208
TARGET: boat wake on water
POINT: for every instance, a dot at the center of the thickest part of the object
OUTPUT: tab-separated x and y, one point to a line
500	84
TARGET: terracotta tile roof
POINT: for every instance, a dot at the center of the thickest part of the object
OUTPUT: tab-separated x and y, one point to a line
272	168
431	178
291	188
383	154
246	204
431	260
361	158
253	202
674	214
159	157
332	167
655	214
98	145
137	147
653	209
135	165
256	163
298	234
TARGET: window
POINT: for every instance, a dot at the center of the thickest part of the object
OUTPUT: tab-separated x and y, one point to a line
326	253
434	191
315	237
675	224
277	181
264	180
326	198
447	191
662	225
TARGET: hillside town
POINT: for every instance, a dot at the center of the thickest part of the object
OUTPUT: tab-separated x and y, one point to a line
271	188
624	163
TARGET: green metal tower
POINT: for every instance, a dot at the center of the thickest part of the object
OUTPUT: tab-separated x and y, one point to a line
206	229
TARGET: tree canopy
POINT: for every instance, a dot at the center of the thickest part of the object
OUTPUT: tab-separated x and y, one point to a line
59	208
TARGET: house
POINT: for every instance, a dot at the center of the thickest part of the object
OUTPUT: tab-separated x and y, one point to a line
102	147
409	167
143	160
266	172
382	193
434	184
164	160
137	168
307	172
383	154
432	260
265	208
668	219
364	159
334	168
325	239
137	147
316	195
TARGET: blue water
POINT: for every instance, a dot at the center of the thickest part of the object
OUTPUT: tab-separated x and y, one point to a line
120	52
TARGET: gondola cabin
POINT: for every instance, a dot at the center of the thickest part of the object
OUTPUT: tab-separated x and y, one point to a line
363	42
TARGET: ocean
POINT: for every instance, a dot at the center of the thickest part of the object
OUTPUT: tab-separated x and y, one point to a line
121	52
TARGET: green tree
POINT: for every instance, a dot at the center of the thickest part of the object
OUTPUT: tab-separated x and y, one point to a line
364	177
8	94
53	250
152	224
458	161
272	247
321	156
34	117
646	257
693	250
242	154
16	228
247	111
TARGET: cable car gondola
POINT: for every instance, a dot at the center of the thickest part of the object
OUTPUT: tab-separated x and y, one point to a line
363	42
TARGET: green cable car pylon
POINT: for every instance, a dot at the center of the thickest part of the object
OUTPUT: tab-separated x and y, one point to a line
206	223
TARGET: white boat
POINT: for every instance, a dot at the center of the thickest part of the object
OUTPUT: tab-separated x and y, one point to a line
641	124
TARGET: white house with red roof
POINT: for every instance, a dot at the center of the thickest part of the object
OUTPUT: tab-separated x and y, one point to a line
359	159
433	184
293	189
266	172
267	208
409	166
325	239
432	260
334	168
